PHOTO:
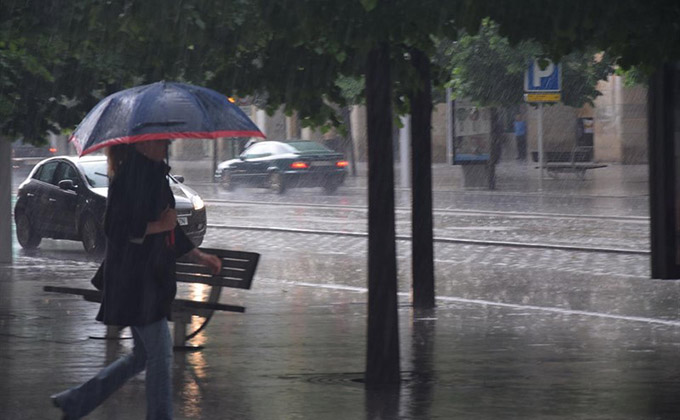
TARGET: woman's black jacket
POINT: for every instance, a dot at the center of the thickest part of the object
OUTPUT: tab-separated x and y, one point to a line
139	271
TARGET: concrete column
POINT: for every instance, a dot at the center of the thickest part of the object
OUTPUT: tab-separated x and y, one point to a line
359	133
442	139
633	124
606	125
404	151
449	126
62	144
5	201
175	150
293	127
309	133
276	125
261	121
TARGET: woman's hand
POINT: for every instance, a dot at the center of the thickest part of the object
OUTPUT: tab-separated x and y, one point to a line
208	260
166	223
168	219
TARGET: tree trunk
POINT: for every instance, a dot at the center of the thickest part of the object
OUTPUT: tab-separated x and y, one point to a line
662	117
421	176
5	201
382	354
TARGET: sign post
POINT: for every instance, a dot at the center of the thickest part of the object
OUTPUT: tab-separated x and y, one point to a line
540	146
542	84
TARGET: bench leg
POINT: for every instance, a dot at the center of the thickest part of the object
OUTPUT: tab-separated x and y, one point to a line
179	336
180	332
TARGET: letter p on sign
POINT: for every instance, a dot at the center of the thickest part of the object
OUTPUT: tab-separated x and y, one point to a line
547	79
541	74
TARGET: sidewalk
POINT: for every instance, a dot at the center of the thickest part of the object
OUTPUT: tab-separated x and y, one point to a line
298	353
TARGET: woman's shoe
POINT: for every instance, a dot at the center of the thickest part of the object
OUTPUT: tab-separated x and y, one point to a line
58	403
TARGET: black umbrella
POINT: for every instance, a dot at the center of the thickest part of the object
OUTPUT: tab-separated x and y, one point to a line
162	110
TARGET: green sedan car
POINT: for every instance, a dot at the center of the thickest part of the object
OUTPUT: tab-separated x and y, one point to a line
281	165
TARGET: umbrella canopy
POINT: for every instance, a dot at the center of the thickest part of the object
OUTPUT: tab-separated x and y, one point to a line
162	110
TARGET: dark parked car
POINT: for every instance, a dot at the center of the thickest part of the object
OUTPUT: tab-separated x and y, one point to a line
65	198
280	165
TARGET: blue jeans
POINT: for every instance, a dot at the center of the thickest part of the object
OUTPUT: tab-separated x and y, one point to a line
153	351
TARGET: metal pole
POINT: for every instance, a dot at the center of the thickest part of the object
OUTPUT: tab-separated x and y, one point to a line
214	159
540	146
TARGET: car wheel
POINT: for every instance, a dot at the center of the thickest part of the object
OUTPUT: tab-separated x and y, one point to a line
25	233
91	236
277	183
226	181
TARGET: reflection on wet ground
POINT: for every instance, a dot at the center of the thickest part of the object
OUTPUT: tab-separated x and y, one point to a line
298	352
516	334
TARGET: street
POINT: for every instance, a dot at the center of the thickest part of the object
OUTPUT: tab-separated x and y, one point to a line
490	236
552	315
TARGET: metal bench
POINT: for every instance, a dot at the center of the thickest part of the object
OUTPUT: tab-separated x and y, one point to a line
238	270
574	162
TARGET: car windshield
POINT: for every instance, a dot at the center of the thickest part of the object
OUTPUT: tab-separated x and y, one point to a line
95	172
309	146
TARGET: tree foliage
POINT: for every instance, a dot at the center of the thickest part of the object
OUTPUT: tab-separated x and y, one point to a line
60	58
31	63
488	69
637	33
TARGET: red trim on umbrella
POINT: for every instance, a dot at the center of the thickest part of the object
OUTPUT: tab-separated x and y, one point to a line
164	136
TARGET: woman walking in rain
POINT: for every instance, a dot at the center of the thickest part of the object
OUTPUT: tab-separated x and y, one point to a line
143	241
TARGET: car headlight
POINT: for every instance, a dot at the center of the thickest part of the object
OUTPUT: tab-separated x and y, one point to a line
197	202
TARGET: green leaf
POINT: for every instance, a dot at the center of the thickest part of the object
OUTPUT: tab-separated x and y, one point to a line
369	5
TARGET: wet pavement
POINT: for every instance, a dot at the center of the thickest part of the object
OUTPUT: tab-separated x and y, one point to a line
607	210
517	333
629	233
616	190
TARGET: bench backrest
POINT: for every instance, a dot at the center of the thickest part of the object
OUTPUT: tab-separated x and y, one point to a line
238	269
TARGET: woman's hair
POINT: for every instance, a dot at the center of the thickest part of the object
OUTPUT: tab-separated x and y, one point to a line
116	155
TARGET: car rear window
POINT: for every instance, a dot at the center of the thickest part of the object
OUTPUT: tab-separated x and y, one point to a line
95	173
309	146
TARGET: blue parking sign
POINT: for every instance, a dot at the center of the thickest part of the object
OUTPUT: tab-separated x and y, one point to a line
548	79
